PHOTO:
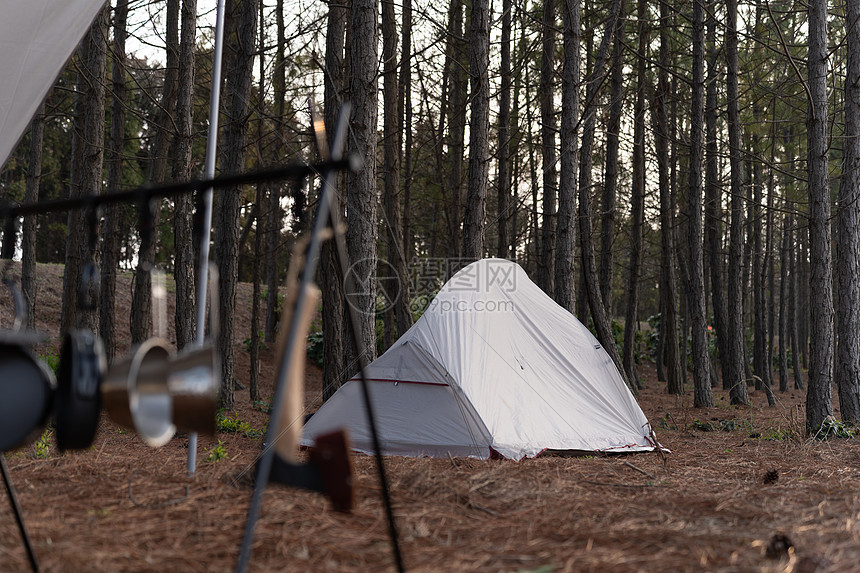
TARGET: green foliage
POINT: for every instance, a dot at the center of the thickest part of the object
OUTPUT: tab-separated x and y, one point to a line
264	299
316	348
617	334
52	360
728	425
652	336
775	435
219	452
246	344
832	428
702	426
100	512
418	304
667	423
264	406
42	446
234	425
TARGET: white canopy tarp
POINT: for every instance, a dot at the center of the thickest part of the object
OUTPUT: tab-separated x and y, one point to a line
37	37
493	365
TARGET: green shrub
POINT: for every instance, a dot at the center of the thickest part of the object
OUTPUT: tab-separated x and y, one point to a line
233	425
832	428
42	446
217	453
264	406
52	360
702	426
316	348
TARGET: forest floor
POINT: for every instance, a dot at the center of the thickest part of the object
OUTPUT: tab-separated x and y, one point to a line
741	490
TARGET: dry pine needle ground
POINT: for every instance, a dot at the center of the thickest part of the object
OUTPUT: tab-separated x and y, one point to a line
741	491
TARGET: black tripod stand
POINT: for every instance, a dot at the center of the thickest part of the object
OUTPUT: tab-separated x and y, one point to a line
19	517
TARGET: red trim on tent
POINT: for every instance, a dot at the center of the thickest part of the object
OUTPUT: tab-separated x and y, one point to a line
400	381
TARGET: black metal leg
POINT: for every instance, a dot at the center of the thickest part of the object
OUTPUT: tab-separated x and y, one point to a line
19	517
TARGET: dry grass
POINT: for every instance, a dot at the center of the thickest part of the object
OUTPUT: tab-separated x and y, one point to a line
714	504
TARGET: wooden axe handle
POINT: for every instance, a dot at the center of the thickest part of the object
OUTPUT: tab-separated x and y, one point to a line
292	411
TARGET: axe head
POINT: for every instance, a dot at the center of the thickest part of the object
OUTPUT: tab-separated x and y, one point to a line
328	471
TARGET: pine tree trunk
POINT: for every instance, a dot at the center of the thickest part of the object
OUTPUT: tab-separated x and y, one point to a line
660	350
479	131
733	366
702	395
565	258
532	253
110	235
259	221
331	279
747	262
802	262
637	201
361	205
818	397
457	125
761	366
91	169
713	209
610	183
515	152
72	269
681	253
185	319
394	281
28	233
847	369
545	274
785	253
769	262
404	113
228	200
141	311
274	218
503	177
86	171
668	280
589	270
793	311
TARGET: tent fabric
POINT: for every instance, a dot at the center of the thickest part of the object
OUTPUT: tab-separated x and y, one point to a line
37	38
493	366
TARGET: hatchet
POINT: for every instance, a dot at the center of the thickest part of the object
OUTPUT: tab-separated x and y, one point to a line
328	469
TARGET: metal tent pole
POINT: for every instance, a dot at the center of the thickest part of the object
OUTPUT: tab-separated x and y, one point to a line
209	173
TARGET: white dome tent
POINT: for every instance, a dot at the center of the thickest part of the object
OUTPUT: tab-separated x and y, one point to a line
493	367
